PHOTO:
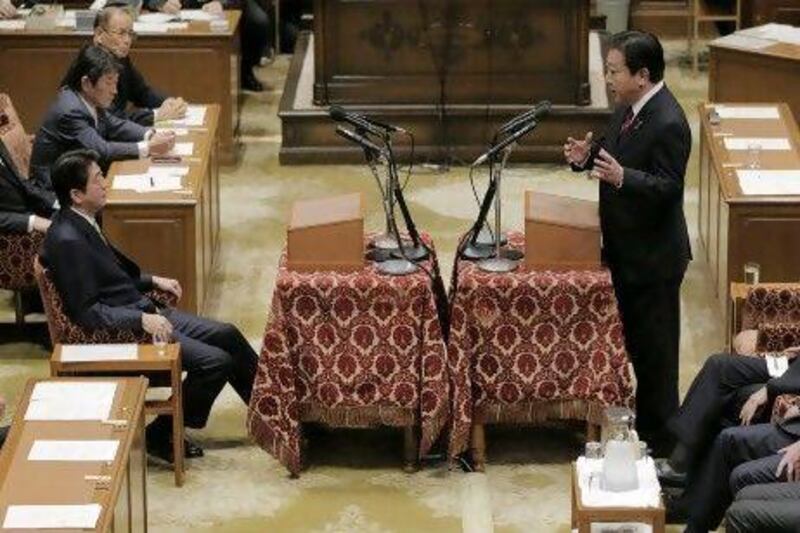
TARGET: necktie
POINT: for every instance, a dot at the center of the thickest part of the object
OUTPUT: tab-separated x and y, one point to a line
627	122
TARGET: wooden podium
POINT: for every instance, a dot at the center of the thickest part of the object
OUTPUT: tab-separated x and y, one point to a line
326	234
561	233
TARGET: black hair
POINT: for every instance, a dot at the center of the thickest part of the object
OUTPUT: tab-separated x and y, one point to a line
71	171
641	50
93	62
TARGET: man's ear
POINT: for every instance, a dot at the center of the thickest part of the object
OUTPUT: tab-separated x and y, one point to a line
644	74
77	196
86	84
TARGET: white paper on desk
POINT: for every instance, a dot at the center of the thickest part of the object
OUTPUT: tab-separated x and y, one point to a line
73	450
52	516
184	149
177	131
769	182
150	182
777	32
758	112
150	27
747	42
632	527
12	25
195	115
167	170
196	14
71	400
71	353
155	18
765	143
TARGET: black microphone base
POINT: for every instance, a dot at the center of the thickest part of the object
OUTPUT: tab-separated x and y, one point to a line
396	267
486	237
379	255
497	264
477	251
412	253
512	254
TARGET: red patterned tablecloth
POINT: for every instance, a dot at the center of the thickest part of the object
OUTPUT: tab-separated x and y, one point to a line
526	346
353	350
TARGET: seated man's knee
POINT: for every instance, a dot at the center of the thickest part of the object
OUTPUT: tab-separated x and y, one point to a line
740	481
736	518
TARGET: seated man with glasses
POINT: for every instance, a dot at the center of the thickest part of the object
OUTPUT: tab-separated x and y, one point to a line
113	30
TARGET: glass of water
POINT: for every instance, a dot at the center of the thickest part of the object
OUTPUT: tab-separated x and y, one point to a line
161	346
754	155
594	450
752	273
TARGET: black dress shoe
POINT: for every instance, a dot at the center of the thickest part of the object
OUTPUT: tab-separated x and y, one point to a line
162	448
251	83
668	476
677	512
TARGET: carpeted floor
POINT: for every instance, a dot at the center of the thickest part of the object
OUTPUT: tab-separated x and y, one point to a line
354	483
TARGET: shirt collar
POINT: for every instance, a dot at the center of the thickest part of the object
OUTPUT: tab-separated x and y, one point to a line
91	220
90	107
646	98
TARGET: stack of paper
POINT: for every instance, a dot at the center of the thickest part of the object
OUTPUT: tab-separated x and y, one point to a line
71	353
156	18
158	27
157	179
195	115
13	25
763	143
52	516
775	32
747	42
71	400
769	182
183	149
73	450
755	112
196	14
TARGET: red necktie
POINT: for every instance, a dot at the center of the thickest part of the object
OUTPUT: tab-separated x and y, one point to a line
627	121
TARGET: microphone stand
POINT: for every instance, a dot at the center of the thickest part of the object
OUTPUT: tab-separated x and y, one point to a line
501	262
417	251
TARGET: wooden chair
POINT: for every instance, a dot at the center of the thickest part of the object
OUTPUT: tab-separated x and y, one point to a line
162	370
16	250
701	13
773	309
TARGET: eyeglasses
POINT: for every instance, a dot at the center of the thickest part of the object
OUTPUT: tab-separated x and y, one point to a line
122	33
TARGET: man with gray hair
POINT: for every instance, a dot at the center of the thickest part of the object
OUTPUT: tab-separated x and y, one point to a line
113	30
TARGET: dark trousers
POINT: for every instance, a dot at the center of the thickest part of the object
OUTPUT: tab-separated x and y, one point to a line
740	456
3	435
213	354
651	319
715	399
769	508
255	33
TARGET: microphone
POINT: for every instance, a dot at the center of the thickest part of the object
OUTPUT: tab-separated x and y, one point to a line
360	121
360	140
511	139
538	111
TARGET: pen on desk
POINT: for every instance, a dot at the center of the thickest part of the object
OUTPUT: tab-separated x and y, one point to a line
152	183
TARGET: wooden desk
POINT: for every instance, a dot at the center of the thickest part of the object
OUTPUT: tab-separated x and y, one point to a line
123	499
195	63
161	370
767	74
176	233
584	517
735	228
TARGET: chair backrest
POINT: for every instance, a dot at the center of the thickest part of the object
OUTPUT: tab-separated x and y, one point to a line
65	331
777	304
12	133
17	251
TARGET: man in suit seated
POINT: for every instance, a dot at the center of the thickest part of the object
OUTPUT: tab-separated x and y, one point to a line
113	30
255	30
24	206
79	118
102	288
716	440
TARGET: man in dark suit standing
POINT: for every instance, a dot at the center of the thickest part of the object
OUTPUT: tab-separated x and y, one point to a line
113	30
640	163
101	287
79	119
24	206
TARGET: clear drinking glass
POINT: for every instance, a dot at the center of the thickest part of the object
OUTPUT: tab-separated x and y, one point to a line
752	273
161	346
594	450
754	155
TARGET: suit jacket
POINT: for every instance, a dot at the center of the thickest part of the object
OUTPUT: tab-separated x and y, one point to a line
132	88
644	230
19	197
100	286
68	125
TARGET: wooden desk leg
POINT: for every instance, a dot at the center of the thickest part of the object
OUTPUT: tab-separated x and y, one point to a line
410	449
658	523
478	445
592	432
177	425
